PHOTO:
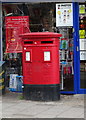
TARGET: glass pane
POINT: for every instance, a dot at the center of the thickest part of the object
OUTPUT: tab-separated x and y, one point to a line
82	36
83	74
66	59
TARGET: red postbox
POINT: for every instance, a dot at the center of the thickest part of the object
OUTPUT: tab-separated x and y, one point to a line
41	66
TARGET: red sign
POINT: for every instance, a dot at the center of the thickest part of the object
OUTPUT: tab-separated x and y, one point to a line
15	25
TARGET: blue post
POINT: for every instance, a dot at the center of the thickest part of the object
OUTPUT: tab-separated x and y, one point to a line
76	46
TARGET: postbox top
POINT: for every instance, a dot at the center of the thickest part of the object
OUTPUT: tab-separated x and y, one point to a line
40	35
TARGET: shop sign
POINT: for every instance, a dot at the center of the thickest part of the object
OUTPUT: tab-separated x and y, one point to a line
82	55
82	44
15	25
64	14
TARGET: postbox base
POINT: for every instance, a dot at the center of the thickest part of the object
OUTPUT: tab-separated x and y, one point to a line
42	92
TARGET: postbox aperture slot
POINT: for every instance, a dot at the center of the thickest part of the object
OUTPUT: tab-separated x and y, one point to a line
28	42
28	56
47	56
46	42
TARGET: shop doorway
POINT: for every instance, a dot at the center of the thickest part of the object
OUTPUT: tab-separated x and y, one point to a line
82	40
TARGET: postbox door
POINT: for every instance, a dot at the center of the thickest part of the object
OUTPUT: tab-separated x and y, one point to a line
39	67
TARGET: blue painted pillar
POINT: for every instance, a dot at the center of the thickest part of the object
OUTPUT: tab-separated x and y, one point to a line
76	46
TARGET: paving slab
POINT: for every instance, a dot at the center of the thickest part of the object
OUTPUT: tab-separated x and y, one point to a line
72	113
70	106
53	111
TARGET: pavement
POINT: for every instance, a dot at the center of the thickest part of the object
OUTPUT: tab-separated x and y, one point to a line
13	106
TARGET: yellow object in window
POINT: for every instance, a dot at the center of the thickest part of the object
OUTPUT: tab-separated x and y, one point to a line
81	9
82	37
82	33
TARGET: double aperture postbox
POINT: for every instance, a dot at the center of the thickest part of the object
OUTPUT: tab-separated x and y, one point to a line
41	66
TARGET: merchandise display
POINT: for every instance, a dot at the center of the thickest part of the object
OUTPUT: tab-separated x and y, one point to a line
63	44
66	59
82	9
82	36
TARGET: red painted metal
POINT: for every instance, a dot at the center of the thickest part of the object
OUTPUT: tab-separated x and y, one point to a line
36	70
15	25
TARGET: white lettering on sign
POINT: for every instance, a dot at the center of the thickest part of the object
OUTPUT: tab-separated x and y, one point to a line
47	56
27	56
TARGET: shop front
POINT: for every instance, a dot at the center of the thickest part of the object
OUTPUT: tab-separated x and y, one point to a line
73	51
66	18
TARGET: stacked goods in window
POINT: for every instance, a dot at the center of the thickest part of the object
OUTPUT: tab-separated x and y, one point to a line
82	20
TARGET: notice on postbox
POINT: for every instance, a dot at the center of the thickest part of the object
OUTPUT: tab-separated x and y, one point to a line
15	25
27	56
47	56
